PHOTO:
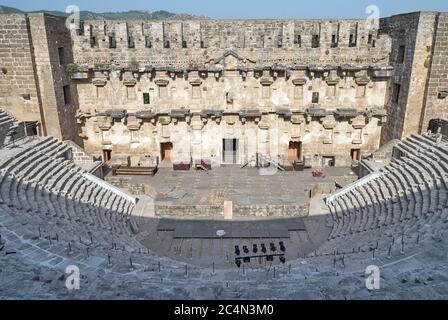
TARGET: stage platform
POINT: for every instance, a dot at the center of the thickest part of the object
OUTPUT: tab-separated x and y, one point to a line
202	194
197	241
216	229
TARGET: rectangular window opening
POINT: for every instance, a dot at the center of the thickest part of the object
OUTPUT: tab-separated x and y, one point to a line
61	54
146	98
401	54
66	90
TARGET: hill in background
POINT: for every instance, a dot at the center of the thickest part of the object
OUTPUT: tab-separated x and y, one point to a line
128	15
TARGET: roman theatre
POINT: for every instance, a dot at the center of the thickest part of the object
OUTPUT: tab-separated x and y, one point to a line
224	159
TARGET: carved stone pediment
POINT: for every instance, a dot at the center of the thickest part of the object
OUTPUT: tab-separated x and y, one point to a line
231	60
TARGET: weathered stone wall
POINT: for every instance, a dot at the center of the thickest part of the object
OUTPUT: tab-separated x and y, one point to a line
17	74
436	104
195	83
48	34
417	33
200	137
29	49
248	80
238	210
194	42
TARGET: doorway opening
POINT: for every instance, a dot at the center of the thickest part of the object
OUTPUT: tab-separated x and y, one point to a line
328	161
295	151
355	154
230	151
165	150
107	155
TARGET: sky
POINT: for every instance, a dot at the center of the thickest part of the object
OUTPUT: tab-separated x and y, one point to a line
240	9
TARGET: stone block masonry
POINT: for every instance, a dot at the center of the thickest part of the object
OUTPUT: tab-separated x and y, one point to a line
323	92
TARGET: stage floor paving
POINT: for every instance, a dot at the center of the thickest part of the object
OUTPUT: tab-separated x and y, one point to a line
241	186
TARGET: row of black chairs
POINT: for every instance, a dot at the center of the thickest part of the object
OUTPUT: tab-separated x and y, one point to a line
272	248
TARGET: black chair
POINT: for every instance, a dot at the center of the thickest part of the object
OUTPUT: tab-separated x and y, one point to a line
254	248
263	248
282	246
237	250
238	262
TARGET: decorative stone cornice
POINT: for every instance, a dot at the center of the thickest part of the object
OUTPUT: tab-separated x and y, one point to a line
133	123
359	122
362	81
196	82
266	81
383	73
116	113
299	81
297	118
80	75
161	82
145	114
179	113
316	111
332	81
165	120
104	123
346	112
129	82
99	82
329	122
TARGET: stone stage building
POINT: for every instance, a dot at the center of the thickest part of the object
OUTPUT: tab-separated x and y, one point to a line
226	92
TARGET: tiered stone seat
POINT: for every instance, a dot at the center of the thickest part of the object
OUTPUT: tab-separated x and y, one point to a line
412	187
41	178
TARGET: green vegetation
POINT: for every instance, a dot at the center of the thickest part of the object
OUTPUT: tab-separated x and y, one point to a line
134	63
71	69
